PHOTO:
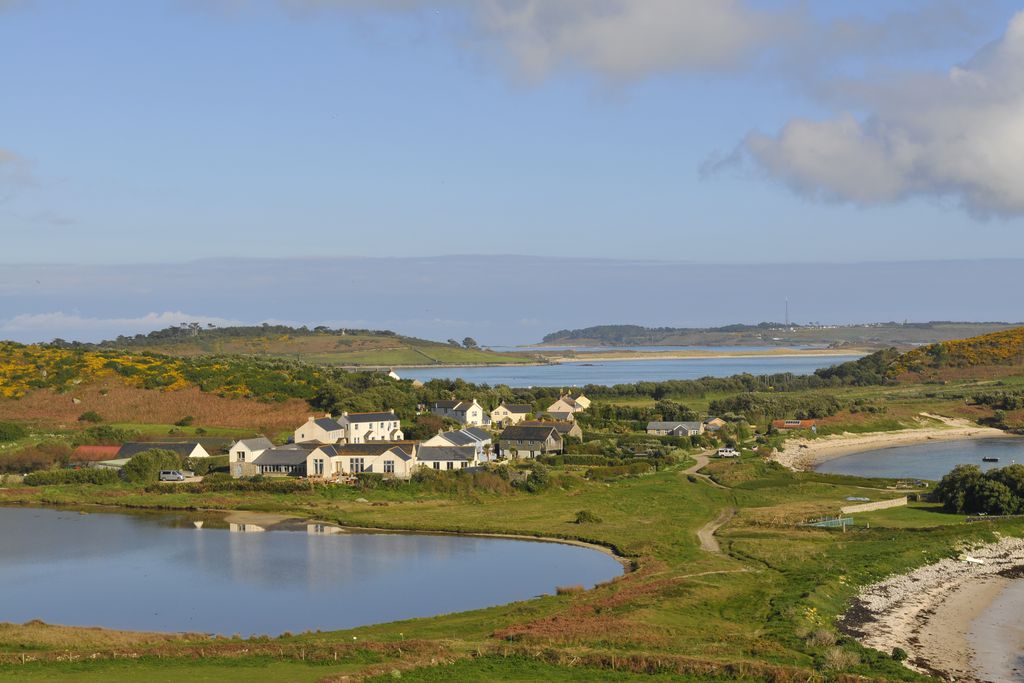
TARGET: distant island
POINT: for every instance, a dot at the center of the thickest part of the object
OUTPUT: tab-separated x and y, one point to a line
321	345
870	335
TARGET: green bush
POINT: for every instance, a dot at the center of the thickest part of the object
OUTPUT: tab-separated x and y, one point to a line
538	479
185	421
12	432
145	467
208	466
90	475
899	654
587	517
90	416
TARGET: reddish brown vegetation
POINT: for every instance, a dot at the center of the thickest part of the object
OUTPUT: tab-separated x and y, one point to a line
118	402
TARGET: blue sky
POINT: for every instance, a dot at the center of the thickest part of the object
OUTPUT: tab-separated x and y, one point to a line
170	130
766	132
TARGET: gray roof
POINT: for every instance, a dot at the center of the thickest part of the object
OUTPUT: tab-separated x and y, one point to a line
370	417
528	433
258	443
434	453
292	454
561	426
327	424
466	437
446	404
669	426
133	448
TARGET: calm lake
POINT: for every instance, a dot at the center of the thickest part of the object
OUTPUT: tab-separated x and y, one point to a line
158	572
927	460
610	372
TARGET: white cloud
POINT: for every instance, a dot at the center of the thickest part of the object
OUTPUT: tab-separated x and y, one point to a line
960	135
32	327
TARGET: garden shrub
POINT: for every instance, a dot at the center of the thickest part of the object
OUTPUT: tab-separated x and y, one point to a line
145	467
91	475
90	416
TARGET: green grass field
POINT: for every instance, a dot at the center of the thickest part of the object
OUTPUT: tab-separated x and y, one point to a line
744	614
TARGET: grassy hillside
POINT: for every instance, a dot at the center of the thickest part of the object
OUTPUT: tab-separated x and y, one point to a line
880	335
371	348
1002	350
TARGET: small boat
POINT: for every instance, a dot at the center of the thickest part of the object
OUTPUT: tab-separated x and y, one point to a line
989	458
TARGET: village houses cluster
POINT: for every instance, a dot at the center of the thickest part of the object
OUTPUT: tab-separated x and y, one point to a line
338	448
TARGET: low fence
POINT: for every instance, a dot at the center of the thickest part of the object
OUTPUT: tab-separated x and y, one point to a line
877	505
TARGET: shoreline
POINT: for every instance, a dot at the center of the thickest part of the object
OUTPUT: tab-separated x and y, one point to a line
806	454
930	611
612	356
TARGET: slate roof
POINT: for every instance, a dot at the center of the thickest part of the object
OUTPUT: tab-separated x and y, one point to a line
370	417
435	453
480	434
327	424
292	454
527	433
561	426
446	404
402	449
133	448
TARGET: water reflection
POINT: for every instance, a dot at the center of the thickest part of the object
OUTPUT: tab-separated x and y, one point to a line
165	572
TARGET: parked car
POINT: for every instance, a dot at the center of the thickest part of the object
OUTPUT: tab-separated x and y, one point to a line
728	452
172	475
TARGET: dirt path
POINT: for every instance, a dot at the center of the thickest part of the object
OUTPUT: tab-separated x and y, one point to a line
702	462
706	534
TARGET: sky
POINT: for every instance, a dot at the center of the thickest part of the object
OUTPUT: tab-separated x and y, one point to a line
140	136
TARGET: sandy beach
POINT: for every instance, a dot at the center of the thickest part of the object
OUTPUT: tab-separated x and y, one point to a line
806	454
932	613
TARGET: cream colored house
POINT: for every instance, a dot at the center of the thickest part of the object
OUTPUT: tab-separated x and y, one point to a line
508	414
568	405
675	428
334	461
713	424
468	413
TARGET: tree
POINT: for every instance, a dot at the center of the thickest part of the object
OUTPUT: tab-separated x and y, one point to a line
952	490
145	467
469	343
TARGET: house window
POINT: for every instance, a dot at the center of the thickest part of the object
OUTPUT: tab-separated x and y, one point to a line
450	464
437	465
241	456
389	467
318	466
464	463
355	465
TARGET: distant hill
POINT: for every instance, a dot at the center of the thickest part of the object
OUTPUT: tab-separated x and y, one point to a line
962	357
876	335
320	345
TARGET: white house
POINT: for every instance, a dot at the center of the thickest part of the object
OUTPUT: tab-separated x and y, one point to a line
508	414
479	439
350	428
246	450
319	430
467	412
446	458
363	427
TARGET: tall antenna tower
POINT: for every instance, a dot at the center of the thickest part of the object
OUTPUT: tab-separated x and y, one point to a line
787	311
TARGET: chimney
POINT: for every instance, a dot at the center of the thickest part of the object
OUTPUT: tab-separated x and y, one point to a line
344	413
311	418
327	415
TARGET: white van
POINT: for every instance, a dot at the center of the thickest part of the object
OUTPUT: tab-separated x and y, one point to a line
172	475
